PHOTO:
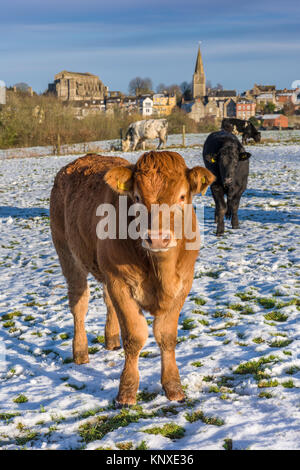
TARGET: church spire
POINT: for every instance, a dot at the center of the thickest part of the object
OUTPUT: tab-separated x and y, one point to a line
199	86
199	64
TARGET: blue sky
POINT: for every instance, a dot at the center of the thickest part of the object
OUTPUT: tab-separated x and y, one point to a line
243	42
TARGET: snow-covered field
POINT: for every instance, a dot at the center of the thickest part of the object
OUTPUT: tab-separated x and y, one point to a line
239	333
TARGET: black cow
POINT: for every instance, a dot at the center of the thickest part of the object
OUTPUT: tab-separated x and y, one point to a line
226	158
246	128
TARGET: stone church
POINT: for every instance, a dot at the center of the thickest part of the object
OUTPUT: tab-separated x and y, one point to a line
74	87
208	103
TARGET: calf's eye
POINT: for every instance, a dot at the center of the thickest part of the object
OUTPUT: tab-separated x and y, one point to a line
182	198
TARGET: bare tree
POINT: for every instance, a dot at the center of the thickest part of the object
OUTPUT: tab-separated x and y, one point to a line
138	86
161	88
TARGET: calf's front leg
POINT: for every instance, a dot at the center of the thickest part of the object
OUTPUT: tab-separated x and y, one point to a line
165	332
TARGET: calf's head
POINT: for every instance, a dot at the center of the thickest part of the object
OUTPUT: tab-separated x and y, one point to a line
227	161
163	185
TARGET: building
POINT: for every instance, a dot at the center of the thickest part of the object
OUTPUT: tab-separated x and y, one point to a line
71	86
262	94
146	106
163	104
274	120
245	108
130	104
199	83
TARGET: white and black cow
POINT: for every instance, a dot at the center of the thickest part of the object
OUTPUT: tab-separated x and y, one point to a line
226	158
138	132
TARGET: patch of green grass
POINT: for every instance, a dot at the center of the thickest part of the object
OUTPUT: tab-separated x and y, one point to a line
214	389
197	364
220	314
9	324
142	446
198	300
197	311
288	384
188	324
170	430
203	322
254	367
145	354
124	445
200	416
27	437
287	353
64	336
102	425
280	343
266	302
33	303
244	296
29	318
8	416
21	399
93	350
276	316
258	340
145	396
265	395
269	383
98	340
228	445
89	413
242	309
292	370
169	410
208	378
11	315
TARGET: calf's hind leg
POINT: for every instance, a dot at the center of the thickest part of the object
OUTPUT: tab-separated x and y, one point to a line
112	327
218	195
78	293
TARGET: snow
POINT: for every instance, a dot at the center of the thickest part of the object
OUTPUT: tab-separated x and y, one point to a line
262	258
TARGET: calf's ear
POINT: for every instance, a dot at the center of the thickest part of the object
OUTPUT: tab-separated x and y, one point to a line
200	178
120	179
244	156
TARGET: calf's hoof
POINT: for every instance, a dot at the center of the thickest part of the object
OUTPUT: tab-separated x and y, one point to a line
81	358
174	392
112	343
123	400
219	234
235	226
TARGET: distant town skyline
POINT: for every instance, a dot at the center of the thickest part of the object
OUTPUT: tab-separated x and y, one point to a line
242	43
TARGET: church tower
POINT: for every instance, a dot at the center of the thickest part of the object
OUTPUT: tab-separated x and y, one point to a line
199	87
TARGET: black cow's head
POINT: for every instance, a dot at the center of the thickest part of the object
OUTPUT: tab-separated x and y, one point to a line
227	160
257	137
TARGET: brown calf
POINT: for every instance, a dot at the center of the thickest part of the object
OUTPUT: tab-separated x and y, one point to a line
154	274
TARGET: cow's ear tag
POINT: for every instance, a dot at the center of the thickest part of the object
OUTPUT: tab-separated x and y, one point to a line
123	186
213	160
203	180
